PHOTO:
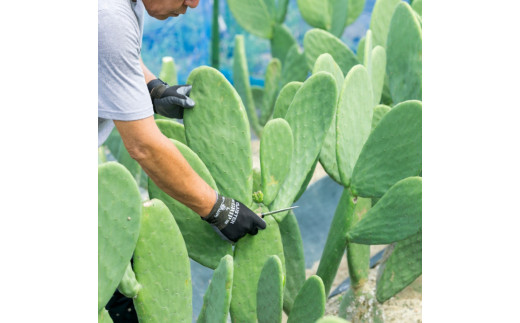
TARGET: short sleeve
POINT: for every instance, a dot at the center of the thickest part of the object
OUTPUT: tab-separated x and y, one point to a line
122	90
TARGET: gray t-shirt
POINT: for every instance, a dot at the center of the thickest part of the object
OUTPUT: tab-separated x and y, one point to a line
122	91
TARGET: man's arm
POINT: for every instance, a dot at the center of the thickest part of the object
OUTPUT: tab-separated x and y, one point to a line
165	165
148	76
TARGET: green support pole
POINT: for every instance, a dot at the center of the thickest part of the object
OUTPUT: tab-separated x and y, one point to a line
215	37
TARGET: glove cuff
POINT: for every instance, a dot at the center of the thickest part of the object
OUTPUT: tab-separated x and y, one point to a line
156	88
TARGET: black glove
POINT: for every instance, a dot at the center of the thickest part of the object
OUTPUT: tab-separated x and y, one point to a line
234	219
170	101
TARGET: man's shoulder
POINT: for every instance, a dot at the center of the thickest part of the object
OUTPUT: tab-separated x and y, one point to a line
116	11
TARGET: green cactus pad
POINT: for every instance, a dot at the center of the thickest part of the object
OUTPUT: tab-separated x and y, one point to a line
339	14
331	319
361	50
257	179
276	148
270	292
119	214
392	152
162	267
310	116
317	42
258	96
402	267
168	71
377	72
255	16
294	259
242	84
284	99
218	132
309	305
281	42
316	13
380	20
129	285
104	317
273	75
404	50
251	252
396	216
172	129
218	295
379	112
204	245
336	240
294	66
417	6
355	8
358	256
354	120
328	159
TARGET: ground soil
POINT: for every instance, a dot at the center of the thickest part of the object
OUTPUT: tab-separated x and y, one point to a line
405	307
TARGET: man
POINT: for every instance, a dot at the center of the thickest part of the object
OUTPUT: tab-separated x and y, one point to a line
128	96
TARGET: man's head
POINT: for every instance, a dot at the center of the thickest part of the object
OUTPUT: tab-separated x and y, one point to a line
162	9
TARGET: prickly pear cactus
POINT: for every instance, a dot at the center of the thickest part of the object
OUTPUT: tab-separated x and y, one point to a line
172	129
417	6
396	216
294	66
218	132
317	42
281	42
404	46
360	307
354	120
379	111
358	256
393	151
162	267
273	75
204	245
119	214
310	302
218	295
310	117
328	159
316	13
270	291
402	267
104	317
129	286
251	252
284	99
255	16
336	240
380	20
242	84
294	259
168	71
276	148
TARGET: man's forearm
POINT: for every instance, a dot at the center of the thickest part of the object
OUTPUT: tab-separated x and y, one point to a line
165	165
148	76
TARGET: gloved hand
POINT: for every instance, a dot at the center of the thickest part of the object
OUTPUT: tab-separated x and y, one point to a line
234	219
170	101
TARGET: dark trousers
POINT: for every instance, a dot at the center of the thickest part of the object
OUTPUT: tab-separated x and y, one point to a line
121	309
